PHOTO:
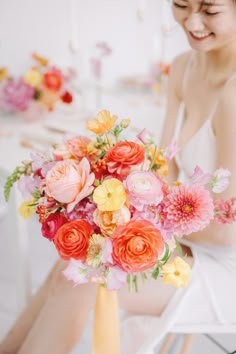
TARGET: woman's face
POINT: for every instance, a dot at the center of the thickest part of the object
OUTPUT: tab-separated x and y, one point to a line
208	24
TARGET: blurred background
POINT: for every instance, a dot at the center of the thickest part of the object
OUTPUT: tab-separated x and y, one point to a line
106	54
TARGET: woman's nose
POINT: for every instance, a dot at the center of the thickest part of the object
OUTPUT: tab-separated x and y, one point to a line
194	22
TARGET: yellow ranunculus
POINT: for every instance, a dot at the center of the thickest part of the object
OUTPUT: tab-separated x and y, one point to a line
3	74
102	124
26	210
110	195
33	77
176	273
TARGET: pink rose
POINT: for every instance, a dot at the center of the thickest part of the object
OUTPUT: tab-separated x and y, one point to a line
143	188
50	226
69	182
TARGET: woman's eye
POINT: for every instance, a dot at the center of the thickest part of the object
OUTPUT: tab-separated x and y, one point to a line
179	6
211	13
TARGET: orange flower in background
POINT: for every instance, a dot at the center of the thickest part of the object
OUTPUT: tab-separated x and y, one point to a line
41	60
122	156
3	74
78	146
102	124
53	79
48	99
72	240
137	246
158	160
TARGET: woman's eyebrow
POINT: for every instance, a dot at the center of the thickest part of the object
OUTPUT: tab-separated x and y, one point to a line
205	3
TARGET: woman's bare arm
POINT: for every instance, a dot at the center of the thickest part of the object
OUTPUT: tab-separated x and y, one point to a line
224	125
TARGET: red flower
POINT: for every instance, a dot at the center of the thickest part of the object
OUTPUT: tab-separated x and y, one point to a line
124	155
136	246
67	97
52	223
72	240
53	79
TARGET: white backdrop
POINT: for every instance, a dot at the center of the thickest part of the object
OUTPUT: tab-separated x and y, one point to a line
47	26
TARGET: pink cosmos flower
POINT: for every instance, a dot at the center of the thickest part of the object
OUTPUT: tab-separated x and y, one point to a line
225	211
171	150
189	208
16	95
143	188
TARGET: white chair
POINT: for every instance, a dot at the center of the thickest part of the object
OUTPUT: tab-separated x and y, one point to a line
191	332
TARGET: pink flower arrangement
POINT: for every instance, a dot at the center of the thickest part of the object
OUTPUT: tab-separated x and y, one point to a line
106	206
42	84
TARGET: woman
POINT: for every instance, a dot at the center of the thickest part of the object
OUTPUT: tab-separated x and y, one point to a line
201	114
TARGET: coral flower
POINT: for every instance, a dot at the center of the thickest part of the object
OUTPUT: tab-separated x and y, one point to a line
137	246
122	156
176	273
189	208
72	240
110	195
102	124
225	211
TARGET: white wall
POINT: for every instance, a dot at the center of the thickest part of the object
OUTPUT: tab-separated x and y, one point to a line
45	26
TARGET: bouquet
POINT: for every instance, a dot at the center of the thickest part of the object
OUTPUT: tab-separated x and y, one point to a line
43	84
104	202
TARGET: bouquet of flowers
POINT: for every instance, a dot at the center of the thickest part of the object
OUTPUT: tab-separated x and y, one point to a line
43	84
106	205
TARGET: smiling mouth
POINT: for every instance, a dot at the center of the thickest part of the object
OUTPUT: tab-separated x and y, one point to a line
200	36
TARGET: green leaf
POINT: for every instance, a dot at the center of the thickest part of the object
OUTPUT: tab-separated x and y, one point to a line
135	282
156	272
166	255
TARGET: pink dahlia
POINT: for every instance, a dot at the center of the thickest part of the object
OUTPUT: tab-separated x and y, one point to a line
16	95
189	208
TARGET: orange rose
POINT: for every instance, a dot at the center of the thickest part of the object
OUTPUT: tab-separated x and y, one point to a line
136	246
124	155
72	240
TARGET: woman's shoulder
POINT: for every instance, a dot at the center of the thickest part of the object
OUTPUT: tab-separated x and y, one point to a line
177	71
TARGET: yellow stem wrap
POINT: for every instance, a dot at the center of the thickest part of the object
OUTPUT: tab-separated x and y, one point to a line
106	335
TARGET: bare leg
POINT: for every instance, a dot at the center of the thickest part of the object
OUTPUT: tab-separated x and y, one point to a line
62	318
17	334
60	323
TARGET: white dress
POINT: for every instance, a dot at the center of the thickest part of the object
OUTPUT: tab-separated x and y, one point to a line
209	300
